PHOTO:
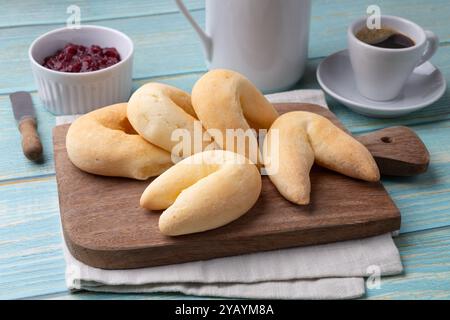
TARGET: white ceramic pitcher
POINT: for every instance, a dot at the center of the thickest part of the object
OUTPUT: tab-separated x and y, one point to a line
266	40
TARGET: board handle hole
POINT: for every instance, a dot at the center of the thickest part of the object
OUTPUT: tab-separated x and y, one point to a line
386	139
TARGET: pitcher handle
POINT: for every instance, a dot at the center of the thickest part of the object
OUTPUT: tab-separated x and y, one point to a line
206	40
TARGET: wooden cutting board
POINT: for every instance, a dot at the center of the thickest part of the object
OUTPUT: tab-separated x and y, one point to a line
104	226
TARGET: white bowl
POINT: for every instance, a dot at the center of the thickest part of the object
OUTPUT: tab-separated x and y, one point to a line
77	93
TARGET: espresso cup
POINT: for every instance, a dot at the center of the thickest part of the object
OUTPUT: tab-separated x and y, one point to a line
381	73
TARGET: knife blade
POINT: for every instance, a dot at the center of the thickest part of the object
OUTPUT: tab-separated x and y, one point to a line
25	116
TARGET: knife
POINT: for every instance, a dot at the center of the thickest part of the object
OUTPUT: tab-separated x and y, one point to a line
25	115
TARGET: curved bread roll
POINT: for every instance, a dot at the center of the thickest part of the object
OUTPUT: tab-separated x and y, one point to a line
203	192
224	99
103	142
156	110
297	139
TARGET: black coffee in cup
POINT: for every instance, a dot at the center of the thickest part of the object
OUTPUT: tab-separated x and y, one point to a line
384	38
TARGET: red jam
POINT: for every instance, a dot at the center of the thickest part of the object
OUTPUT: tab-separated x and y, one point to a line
78	58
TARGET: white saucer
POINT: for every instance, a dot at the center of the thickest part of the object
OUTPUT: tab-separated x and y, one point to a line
425	86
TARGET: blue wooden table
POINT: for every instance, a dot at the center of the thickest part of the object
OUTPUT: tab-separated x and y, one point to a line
167	50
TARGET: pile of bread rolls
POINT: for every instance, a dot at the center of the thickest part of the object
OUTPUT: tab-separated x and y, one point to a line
216	183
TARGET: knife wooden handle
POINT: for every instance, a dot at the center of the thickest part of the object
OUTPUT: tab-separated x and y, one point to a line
398	151
31	144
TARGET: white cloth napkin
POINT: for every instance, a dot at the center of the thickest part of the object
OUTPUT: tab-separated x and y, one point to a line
330	271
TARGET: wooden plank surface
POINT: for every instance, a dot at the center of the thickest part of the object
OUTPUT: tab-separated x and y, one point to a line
11	150
29	251
31	12
30	255
426	276
168	40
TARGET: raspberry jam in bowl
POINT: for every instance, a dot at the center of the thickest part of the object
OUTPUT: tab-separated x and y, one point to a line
79	70
78	58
